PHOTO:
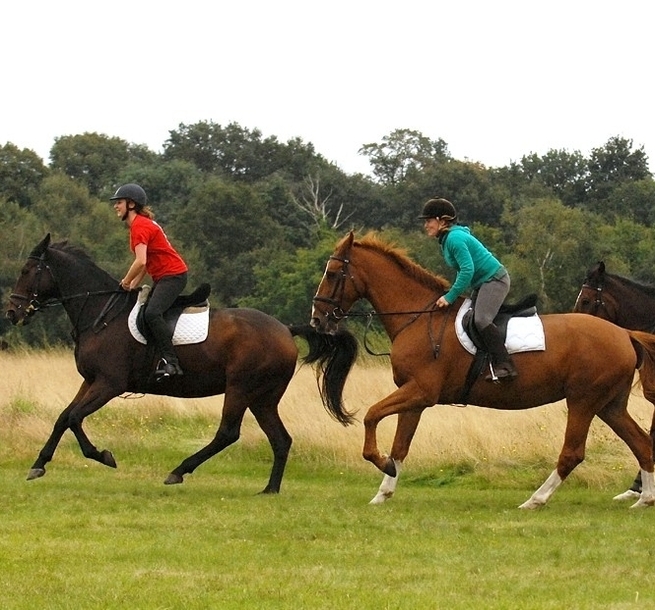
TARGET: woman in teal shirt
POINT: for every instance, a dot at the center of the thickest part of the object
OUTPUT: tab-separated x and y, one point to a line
477	270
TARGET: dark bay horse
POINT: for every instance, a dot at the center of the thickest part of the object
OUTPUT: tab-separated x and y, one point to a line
628	304
588	361
248	356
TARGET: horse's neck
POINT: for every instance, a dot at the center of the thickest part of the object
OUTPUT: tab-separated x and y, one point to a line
631	312
390	291
79	286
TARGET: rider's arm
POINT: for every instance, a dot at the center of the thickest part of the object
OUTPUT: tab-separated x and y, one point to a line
137	270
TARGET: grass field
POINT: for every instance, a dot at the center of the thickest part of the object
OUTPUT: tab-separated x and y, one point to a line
86	536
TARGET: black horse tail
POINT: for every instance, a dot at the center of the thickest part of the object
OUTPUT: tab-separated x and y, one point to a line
334	356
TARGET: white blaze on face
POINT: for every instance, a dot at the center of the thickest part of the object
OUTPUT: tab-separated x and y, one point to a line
315	313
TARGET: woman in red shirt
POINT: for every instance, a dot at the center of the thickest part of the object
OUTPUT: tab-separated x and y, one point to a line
154	255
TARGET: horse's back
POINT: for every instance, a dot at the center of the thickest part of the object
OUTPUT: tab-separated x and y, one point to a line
245	330
585	340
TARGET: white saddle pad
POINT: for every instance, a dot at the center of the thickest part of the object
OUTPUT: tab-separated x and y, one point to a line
524	334
192	326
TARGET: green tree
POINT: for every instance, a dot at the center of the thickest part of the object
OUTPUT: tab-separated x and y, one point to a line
611	166
168	184
228	226
565	174
553	246
93	159
238	153
21	173
285	285
401	153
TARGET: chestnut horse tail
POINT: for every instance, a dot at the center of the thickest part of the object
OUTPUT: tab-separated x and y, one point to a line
644	344
334	356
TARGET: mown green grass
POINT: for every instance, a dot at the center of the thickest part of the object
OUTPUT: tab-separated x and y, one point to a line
86	536
90	537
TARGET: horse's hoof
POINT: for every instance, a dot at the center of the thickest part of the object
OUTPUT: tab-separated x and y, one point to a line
107	458
381	497
35	473
390	468
268	491
531	505
631	494
644	502
174	479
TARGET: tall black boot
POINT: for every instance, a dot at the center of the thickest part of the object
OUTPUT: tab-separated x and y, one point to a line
169	364
501	361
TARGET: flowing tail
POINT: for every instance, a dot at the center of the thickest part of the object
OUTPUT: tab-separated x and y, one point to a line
334	356
644	344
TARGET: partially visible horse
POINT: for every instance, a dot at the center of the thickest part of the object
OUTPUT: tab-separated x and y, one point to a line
587	361
248	356
628	304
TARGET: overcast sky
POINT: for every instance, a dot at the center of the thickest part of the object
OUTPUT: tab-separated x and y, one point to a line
495	80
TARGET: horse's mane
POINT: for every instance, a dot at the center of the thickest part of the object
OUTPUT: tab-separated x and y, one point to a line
639	286
399	256
80	256
75	251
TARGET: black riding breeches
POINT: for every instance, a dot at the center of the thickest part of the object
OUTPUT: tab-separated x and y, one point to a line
164	292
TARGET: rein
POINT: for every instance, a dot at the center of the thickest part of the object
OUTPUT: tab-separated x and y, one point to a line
337	314
436	347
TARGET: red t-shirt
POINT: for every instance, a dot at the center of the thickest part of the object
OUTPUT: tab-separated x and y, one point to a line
162	259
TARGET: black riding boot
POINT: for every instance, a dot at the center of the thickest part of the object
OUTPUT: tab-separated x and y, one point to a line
501	361
169	365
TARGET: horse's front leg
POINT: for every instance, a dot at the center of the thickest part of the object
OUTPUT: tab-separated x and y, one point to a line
61	425
407	398
98	394
407	424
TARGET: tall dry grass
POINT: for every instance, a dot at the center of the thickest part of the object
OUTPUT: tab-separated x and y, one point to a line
38	385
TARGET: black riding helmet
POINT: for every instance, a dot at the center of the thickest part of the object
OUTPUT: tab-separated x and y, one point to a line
133	192
439	208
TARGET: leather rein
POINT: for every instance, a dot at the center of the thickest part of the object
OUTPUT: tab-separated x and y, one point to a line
337	314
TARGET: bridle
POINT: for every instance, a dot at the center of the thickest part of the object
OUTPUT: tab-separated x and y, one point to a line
598	301
33	303
336	297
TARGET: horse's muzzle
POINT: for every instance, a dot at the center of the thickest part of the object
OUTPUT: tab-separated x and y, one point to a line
16	319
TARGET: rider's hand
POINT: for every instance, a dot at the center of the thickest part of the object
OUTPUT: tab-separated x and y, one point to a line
441	302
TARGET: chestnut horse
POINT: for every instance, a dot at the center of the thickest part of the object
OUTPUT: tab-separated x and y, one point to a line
248	356
588	361
625	303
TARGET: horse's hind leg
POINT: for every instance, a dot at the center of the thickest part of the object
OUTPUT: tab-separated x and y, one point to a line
641	445
280	440
578	421
635	489
228	432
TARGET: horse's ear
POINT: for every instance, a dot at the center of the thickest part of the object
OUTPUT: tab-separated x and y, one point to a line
351	238
42	246
601	267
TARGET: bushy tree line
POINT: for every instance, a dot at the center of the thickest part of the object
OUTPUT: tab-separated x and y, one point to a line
257	217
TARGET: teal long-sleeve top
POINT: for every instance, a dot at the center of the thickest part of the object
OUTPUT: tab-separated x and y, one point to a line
474	264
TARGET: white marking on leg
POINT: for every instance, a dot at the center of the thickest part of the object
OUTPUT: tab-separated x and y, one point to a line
647	497
388	486
542	495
